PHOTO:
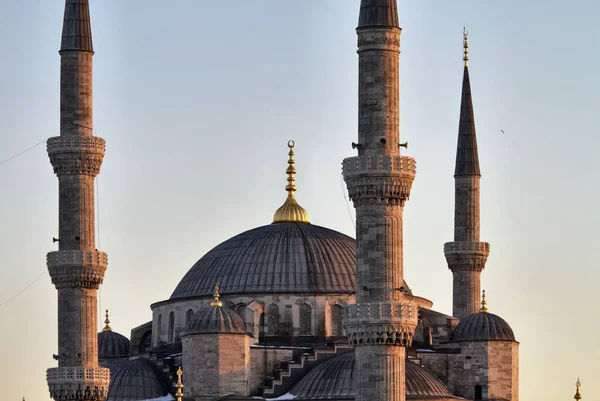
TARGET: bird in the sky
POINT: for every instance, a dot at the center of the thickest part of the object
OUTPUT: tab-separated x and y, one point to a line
502	131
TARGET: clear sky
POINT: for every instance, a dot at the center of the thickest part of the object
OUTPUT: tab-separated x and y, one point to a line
197	100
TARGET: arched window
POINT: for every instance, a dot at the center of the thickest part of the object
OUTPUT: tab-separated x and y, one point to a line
171	327
478	392
241	310
273	318
305	319
337	316
158	329
188	316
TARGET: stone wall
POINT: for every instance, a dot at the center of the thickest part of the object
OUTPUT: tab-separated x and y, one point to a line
216	364
263	361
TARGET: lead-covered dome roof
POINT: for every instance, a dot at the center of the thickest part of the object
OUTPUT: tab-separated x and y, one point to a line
112	345
138	379
482	326
285	257
334	380
215	320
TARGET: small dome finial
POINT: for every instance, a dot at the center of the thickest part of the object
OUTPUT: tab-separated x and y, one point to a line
106	322
291	211
216	301
179	385
577	393
483	304
466	46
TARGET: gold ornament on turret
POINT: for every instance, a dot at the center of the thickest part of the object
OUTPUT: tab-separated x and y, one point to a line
291	211
466	46
106	322
216	301
577	393
484	308
179	385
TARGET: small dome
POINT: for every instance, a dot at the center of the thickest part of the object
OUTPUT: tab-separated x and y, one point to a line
112	345
334	379
138	379
482	326
215	320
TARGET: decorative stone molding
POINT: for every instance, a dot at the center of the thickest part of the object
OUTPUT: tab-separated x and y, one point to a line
76	268
76	155
466	255
78	383
379	178
377	39
383	323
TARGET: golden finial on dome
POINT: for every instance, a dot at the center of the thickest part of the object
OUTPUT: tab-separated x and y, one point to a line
291	211
483	304
466	46
106	322
179	385
577	393
216	301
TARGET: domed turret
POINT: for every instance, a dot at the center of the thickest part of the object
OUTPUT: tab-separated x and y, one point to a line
483	326
112	347
215	319
138	379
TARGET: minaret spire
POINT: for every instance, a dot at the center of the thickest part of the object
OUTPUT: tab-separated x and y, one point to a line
577	393
379	181
466	256
77	30
77	268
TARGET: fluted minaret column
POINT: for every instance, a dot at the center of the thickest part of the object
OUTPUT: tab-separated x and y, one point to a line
77	268
381	323
466	256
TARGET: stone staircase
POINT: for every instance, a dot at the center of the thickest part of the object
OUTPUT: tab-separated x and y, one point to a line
290	372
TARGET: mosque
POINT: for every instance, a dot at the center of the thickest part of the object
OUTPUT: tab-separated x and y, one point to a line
289	310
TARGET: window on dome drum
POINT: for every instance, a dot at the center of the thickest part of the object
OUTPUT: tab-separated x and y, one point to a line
478	392
305	319
337	315
188	316
273	318
171	327
241	310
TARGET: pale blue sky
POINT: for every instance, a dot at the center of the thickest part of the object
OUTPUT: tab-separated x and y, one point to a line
197	99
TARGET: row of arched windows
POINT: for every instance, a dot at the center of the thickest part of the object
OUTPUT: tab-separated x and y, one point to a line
274	326
171	329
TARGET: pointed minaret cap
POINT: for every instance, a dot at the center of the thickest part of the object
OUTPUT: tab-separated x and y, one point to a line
378	14
577	393
77	30
291	211
106	322
216	301
467	157
179	386
484	308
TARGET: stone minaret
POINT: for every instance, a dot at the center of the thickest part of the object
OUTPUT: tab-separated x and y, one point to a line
381	323
466	256
77	268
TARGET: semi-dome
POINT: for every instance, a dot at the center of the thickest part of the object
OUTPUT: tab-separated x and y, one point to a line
482	326
215	319
286	257
334	380
112	345
138	379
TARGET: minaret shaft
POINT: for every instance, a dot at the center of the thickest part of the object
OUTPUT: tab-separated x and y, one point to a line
77	268
381	323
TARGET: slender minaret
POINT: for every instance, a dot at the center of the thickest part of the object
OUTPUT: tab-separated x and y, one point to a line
381	323
77	268
466	256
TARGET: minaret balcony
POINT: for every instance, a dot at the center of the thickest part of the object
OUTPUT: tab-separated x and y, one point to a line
381	323
466	255
78	383
76	155
77	268
379	178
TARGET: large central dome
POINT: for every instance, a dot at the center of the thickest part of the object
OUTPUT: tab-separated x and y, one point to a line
286	257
